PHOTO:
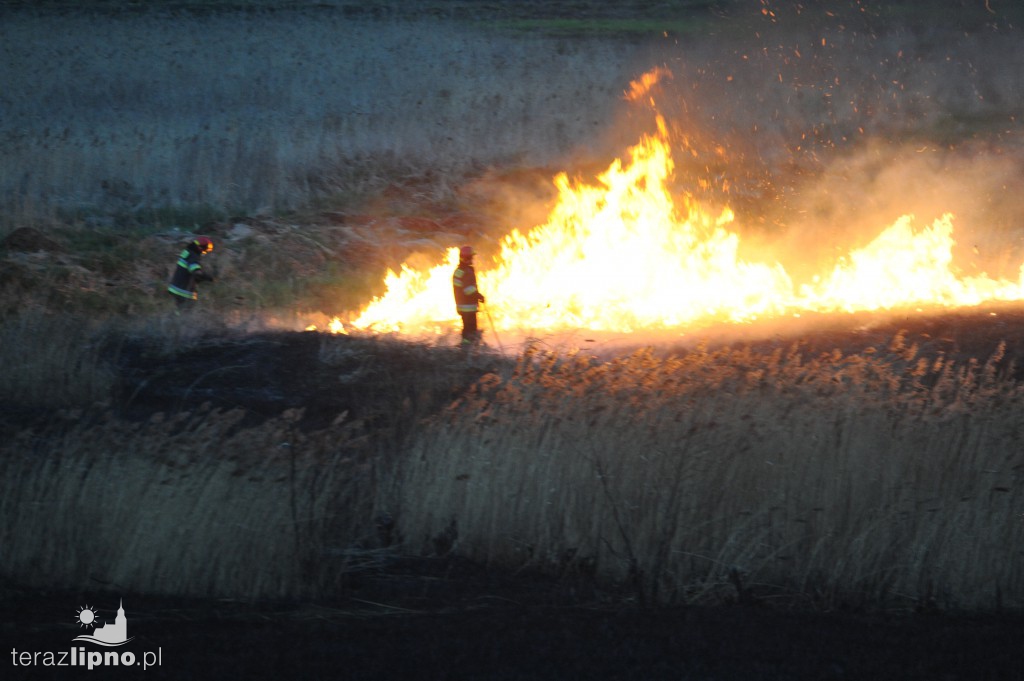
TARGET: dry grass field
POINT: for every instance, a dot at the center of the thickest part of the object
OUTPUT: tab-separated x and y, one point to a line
763	508
142	116
885	476
686	510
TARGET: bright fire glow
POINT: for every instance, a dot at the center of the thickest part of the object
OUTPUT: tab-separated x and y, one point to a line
622	254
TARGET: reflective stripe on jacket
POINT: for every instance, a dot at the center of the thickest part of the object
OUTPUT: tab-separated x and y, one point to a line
464	286
186	273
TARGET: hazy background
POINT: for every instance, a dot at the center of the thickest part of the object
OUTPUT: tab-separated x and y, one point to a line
249	111
810	119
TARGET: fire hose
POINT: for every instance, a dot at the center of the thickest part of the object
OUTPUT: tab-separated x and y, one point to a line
494	330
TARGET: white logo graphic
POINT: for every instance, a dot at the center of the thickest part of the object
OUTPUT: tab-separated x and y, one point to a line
109	635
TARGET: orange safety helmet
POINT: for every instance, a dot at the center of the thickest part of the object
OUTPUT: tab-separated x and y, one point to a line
204	243
466	252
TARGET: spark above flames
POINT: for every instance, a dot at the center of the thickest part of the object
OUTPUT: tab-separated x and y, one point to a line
623	254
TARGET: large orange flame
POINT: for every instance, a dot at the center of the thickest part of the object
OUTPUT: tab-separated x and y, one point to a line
623	255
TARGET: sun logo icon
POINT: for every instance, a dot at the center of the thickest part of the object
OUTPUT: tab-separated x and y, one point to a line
87	617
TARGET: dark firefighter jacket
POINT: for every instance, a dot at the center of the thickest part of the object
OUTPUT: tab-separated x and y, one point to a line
464	284
187	273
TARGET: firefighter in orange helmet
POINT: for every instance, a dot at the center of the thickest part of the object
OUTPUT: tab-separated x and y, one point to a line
467	297
189	272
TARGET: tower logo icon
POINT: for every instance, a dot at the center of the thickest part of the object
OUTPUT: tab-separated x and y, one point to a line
110	634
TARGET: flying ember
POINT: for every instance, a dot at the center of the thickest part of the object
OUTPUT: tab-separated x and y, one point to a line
623	254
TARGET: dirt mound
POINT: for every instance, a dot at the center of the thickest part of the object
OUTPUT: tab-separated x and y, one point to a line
29	240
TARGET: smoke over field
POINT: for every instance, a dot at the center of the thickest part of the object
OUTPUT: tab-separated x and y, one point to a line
239	112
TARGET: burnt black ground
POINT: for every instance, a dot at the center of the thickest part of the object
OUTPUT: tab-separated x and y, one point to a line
268	373
324	375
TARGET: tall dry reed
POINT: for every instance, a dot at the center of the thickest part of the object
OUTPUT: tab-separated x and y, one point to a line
883	479
203	502
861	479
54	361
192	504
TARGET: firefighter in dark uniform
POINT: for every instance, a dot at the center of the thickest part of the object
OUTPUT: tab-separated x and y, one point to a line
189	272
467	297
